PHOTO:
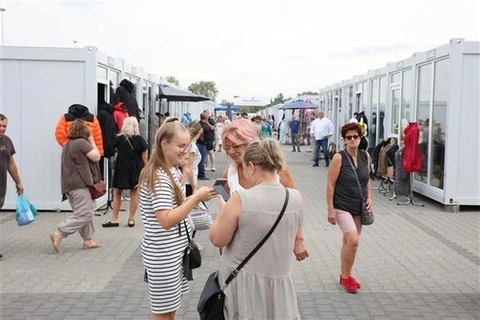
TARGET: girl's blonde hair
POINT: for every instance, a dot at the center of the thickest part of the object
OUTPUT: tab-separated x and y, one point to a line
148	176
130	127
266	154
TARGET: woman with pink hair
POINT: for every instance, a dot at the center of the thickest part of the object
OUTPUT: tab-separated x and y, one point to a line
235	139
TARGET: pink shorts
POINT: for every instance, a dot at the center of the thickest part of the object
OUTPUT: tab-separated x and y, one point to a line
347	222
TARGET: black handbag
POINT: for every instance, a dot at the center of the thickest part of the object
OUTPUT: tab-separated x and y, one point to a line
192	257
212	300
366	216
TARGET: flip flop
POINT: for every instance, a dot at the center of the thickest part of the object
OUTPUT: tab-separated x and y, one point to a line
131	223
110	224
92	245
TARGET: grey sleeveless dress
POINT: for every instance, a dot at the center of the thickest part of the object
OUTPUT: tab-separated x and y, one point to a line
264	288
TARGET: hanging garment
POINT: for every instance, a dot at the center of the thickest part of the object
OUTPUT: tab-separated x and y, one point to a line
109	128
126	94
402	179
120	113
78	111
412	157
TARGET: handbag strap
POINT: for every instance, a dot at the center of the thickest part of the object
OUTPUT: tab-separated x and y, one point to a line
128	140
251	254
186	230
355	172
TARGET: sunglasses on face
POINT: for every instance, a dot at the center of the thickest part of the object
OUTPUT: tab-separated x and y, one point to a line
352	137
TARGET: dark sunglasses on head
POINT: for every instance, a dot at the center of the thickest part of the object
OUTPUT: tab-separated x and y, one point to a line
354	137
171	120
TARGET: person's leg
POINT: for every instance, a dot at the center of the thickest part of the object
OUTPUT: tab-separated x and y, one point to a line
293	142
85	207
133	206
297	140
316	153
351	229
211	155
201	166
324	145
116	204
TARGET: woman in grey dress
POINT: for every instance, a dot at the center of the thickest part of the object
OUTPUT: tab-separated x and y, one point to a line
242	223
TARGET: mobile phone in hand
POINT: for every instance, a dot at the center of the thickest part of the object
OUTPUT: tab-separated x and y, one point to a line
221	191
220	182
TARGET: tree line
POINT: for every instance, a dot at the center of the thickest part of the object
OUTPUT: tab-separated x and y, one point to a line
209	89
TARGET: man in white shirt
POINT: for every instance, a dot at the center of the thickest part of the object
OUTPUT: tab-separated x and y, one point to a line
321	130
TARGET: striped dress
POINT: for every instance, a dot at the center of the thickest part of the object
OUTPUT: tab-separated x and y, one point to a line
162	250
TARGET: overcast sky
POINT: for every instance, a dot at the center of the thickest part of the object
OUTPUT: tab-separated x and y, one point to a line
247	47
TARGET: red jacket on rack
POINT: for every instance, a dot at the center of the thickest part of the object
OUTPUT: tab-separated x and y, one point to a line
120	113
412	157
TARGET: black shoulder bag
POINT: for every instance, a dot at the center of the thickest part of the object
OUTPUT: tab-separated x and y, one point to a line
192	257
367	216
212	300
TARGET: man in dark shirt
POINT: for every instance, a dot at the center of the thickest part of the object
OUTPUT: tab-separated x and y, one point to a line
203	143
294	132
211	144
7	163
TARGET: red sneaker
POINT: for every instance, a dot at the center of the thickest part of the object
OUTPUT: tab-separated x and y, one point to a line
358	284
350	284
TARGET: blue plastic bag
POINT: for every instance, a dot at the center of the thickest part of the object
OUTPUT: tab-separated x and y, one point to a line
26	212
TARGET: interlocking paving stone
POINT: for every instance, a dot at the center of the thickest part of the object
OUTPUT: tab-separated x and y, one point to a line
413	263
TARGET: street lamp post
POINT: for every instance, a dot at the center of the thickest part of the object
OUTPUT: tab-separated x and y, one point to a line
2	10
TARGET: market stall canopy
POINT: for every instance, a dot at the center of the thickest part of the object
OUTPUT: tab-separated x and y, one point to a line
299	104
225	108
173	94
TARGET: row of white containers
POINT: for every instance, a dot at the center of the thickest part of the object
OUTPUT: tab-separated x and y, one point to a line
37	87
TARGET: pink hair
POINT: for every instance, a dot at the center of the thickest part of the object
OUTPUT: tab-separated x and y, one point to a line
240	132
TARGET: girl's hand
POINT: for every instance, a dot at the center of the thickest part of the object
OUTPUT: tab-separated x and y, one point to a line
205	194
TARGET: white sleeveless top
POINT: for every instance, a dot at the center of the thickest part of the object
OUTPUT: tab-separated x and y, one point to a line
232	180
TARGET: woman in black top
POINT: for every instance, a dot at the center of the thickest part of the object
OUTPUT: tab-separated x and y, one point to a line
131	158
345	201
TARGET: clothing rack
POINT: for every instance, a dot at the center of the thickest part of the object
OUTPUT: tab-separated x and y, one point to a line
403	182
107	173
410	198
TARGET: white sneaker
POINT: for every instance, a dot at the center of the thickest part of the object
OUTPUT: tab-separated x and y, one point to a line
213	169
207	168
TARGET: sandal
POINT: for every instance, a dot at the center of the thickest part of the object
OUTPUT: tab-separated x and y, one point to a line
110	224
92	245
131	223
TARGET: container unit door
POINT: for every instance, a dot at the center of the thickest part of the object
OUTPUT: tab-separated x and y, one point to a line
395	111
432	97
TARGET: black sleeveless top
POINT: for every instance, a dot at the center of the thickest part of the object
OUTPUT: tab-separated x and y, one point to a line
347	196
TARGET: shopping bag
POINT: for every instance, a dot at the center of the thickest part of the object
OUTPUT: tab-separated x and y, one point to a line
201	217
26	212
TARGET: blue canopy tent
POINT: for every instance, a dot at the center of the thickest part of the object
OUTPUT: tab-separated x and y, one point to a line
228	110
299	104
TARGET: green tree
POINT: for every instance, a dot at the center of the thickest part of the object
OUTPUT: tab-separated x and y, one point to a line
307	93
204	88
278	99
173	80
251	109
225	102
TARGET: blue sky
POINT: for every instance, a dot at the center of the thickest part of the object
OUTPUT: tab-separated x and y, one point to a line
247	47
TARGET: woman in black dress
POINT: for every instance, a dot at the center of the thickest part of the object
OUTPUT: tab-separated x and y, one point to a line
131	158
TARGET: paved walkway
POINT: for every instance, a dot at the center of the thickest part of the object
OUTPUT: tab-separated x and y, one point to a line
413	263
